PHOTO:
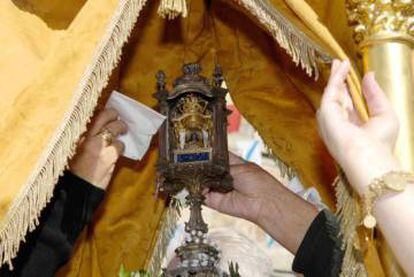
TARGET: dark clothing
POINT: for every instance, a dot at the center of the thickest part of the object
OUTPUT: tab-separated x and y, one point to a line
320	253
50	245
75	200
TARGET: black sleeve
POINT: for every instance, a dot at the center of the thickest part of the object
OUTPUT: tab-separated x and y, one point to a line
50	245
320	253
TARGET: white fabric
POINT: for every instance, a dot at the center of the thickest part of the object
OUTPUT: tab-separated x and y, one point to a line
142	121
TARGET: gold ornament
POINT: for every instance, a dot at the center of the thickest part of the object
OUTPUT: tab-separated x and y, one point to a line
381	19
393	181
107	136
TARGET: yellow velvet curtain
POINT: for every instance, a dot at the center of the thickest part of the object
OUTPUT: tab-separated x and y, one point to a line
278	98
50	47
47	65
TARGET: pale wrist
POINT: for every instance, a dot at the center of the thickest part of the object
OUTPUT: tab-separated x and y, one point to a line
361	176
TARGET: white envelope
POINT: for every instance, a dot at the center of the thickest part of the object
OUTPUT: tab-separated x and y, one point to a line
142	121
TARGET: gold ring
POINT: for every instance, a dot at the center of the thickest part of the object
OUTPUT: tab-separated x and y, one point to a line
107	136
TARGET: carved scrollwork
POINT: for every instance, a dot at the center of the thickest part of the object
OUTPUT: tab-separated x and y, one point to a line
375	17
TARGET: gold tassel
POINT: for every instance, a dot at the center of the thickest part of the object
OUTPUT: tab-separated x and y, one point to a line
349	216
170	9
163	237
303	51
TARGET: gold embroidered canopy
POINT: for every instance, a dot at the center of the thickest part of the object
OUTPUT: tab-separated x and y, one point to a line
59	58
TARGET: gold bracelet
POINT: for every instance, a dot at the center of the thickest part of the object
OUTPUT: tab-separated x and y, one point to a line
393	181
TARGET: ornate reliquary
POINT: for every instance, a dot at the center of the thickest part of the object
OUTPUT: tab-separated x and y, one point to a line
194	156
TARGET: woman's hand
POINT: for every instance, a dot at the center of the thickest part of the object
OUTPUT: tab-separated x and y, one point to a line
363	149
95	159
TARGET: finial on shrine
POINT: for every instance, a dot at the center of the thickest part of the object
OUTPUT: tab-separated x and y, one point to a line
160	80
192	69
218	75
161	94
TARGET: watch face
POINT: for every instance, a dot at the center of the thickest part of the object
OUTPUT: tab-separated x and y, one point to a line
395	181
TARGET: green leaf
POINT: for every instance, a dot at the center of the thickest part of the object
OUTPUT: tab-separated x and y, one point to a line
234	269
123	272
143	273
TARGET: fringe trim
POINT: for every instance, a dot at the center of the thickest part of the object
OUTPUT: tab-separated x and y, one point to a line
165	234
285	170
25	211
296	43
170	9
349	216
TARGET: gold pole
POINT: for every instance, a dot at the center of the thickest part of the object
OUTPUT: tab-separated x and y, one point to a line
392	62
384	32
